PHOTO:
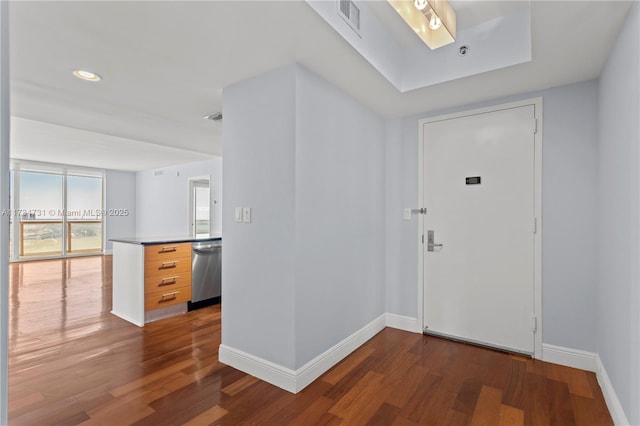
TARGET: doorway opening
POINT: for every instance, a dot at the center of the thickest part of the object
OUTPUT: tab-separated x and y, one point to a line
200	206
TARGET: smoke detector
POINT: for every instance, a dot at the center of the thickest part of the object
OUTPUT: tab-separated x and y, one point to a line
216	116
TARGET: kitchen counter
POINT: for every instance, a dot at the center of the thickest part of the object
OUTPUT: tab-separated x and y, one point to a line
167	239
152	276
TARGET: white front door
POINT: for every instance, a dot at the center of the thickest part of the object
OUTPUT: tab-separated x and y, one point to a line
479	187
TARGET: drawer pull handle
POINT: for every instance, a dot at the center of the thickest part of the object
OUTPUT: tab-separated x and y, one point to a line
169	280
171	264
171	295
167	249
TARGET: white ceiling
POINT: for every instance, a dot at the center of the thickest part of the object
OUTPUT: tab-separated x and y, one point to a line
164	65
498	34
52	143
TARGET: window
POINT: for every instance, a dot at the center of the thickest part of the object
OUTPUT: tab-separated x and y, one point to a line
84	214
55	212
40	214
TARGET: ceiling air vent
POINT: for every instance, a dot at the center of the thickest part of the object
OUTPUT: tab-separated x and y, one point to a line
350	13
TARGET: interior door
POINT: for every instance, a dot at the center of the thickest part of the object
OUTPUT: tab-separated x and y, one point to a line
479	178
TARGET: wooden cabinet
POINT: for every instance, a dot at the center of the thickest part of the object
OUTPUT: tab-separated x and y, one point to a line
167	297
167	282
167	251
167	275
151	281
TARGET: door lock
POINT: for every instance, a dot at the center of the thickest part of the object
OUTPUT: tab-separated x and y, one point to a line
431	245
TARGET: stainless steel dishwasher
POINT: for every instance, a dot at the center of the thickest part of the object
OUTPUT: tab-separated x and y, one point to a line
206	277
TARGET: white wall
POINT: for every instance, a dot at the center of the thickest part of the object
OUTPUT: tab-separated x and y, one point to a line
162	202
258	263
618	305
568	216
120	193
339	216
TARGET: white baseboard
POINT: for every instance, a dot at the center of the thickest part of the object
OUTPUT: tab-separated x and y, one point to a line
589	361
107	252
323	362
126	317
613	403
402	323
295	381
268	371
569	357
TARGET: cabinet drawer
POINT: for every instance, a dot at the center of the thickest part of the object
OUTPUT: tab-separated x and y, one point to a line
167	267
162	298
160	252
166	281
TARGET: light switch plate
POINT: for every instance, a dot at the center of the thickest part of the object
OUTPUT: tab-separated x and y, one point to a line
407	214
238	214
246	215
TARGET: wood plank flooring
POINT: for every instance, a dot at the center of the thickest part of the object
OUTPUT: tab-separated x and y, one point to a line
72	362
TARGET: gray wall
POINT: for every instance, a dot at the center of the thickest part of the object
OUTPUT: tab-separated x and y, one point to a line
258	263
568	216
4	204
339	216
120	194
401	237
618	304
162	202
308	271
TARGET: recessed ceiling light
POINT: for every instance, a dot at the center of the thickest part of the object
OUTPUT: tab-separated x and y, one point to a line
87	75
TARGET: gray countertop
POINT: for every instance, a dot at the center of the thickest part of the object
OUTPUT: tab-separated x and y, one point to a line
166	239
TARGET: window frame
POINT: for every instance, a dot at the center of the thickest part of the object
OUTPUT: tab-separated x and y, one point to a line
17	166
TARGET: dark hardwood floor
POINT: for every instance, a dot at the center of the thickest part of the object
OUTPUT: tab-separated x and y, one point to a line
72	362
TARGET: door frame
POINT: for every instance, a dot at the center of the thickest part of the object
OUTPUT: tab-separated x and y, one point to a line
192	182
537	282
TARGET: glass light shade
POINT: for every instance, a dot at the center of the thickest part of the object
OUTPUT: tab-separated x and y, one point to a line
419	20
420	4
434	22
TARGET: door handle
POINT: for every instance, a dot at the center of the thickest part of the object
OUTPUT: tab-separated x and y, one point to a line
431	245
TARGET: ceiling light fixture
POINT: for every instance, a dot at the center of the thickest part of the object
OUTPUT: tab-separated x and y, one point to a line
434	21
87	75
420	4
